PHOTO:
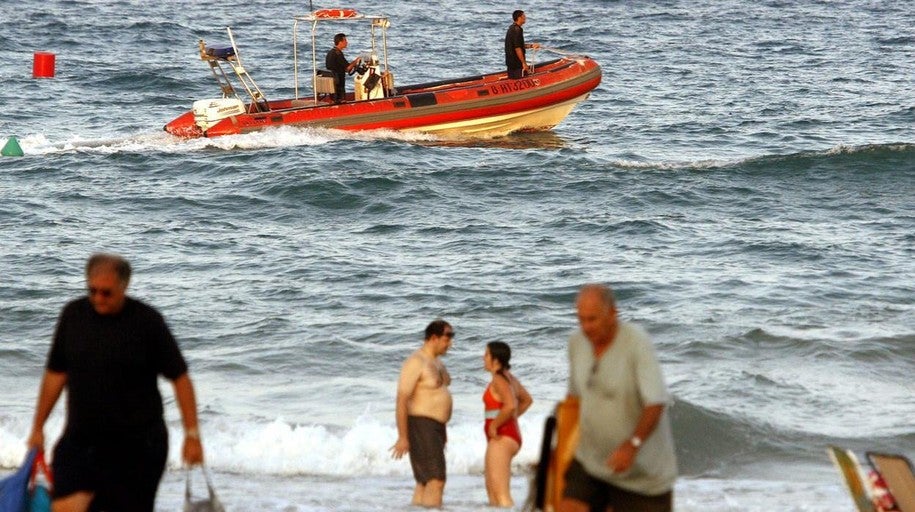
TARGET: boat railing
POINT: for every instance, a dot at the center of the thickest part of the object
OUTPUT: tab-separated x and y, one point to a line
469	80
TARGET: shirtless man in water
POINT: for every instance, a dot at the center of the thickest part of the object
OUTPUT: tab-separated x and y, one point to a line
423	409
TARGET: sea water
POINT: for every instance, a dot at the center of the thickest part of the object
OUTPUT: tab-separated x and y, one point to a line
743	177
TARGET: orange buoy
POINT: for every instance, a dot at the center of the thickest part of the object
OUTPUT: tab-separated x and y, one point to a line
43	65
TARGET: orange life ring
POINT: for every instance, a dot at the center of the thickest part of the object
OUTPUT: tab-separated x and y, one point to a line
336	13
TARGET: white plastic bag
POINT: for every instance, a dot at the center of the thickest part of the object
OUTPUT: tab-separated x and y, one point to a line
211	504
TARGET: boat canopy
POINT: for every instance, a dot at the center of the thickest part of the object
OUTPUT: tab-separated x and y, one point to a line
378	24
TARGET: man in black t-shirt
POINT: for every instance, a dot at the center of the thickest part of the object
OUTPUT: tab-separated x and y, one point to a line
108	351
515	56
336	62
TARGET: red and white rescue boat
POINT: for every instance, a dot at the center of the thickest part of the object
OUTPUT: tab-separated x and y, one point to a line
482	106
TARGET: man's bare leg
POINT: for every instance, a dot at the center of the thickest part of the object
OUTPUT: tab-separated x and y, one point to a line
571	505
76	502
430	494
418	494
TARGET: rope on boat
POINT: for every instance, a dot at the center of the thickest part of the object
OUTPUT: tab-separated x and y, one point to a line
562	52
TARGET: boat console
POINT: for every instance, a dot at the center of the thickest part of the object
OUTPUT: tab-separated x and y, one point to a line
373	79
368	80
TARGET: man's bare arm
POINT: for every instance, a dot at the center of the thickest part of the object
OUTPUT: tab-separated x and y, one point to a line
52	385
406	386
622	458
192	451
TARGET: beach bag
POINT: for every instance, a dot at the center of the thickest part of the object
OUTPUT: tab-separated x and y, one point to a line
567	414
211	504
40	486
14	489
557	450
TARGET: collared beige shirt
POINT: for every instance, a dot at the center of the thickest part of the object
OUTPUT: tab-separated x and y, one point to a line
614	390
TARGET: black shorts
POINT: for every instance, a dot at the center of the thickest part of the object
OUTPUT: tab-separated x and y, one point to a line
427	448
122	471
599	494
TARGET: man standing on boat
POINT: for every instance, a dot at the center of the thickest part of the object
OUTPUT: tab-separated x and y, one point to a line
336	62
423	408
515	56
625	457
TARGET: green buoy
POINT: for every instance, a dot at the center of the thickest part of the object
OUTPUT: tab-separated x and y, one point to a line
11	148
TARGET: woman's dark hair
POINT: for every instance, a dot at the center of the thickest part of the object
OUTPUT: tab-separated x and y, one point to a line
500	351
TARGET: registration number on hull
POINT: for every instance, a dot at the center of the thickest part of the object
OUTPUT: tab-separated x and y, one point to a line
514	86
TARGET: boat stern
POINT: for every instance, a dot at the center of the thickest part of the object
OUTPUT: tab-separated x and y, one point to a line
184	126
204	115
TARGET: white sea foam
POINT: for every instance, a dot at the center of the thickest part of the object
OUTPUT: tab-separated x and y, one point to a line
281	137
279	447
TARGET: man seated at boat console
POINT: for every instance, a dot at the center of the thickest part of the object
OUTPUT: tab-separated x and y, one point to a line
336	62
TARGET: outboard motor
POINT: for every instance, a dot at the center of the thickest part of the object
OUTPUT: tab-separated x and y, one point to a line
209	112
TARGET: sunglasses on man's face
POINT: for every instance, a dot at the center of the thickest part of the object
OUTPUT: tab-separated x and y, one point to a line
449	334
104	292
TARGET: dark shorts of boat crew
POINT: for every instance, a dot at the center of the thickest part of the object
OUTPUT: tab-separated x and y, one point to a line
427	448
516	73
599	494
122	470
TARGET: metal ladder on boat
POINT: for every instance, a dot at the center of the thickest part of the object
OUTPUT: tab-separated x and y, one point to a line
258	100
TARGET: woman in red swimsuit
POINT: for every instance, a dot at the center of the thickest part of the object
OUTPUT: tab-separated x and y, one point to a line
504	400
